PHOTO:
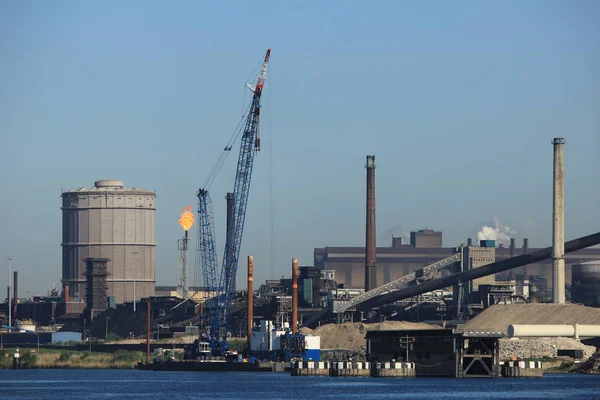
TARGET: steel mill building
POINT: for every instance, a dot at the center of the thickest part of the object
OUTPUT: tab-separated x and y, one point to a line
114	225
425	247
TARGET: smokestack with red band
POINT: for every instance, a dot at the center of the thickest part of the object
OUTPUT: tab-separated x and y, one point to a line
294	295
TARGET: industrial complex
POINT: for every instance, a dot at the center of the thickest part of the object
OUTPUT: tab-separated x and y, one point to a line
472	295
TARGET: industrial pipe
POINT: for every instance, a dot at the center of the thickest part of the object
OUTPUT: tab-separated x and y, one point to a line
558	227
575	331
250	299
490	269
294	295
541	330
587	331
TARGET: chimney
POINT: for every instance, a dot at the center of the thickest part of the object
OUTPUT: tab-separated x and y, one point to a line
250	299
66	295
370	245
558	228
294	295
469	242
512	247
15	293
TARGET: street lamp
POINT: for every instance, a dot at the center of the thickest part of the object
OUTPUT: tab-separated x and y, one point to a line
106	329
9	287
134	298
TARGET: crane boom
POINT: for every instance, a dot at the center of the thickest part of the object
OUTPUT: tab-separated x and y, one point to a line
250	144
218	308
208	253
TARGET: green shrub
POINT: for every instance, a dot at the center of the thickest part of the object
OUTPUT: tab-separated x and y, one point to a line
64	356
127	356
28	360
566	364
85	355
113	337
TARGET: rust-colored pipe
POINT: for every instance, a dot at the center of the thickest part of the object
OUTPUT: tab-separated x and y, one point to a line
148	333
66	294
294	295
250	299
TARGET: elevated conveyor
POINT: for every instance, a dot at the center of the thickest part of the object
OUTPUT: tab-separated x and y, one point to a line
391	296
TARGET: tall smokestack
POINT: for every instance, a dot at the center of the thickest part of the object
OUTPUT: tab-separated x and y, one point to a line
558	229
250	299
294	295
15	293
370	246
469	242
512	247
66	294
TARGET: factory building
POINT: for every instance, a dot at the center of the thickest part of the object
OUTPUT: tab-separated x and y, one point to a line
425	247
110	221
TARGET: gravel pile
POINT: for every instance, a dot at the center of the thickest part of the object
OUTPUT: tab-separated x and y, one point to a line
351	336
540	347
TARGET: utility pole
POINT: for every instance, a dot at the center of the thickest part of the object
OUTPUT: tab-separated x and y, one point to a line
9	287
106	329
134	298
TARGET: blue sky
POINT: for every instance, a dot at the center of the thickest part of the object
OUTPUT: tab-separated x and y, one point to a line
459	102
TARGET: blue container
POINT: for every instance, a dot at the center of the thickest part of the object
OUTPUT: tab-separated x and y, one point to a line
312	354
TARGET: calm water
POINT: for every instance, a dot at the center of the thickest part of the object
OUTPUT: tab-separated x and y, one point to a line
132	384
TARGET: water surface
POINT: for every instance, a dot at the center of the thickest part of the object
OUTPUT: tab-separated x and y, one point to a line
56	384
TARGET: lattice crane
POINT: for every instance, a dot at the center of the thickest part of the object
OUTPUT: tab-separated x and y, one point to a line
219	307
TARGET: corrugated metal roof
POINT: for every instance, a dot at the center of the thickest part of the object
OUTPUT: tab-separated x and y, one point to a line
498	317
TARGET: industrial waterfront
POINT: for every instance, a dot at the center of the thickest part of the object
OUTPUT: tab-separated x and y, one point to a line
188	280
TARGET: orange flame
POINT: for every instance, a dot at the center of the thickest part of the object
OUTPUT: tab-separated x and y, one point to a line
187	219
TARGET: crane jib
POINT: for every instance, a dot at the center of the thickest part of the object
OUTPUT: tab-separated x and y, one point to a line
218	308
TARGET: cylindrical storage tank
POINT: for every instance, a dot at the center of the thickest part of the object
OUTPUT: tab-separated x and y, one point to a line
585	288
114	222
541	330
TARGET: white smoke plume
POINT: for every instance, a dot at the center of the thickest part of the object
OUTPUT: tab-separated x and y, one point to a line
498	232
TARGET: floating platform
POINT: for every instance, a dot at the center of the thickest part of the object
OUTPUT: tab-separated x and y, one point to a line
203	366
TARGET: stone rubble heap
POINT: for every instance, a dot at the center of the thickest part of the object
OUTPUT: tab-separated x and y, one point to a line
540	347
